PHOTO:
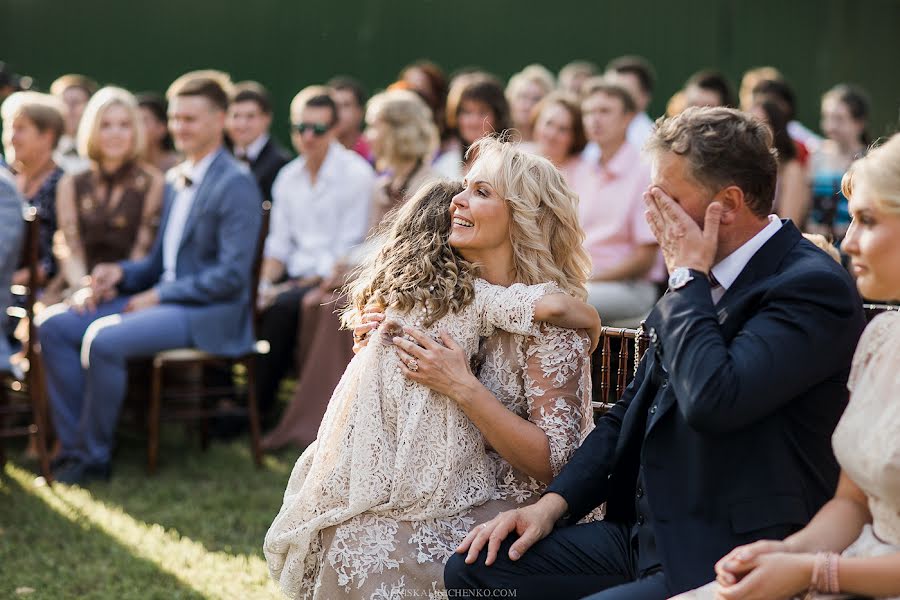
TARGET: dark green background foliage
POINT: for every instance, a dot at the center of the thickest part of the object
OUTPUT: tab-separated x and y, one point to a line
287	44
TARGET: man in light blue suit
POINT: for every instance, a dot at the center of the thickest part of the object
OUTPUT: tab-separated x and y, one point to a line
11	230
191	290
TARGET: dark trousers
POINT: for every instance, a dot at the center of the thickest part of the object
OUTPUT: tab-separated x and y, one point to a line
279	325
594	560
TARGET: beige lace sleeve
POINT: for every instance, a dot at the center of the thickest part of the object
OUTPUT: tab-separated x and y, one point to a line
873	338
557	387
509	308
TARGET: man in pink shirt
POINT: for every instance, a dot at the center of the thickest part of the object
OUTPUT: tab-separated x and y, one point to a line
623	249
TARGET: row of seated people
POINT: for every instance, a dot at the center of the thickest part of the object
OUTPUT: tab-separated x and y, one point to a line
318	217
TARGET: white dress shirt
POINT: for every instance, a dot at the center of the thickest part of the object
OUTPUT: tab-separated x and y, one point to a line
639	130
253	149
315	225
727	270
181	208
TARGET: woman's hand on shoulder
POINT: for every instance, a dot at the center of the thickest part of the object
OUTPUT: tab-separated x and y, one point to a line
443	367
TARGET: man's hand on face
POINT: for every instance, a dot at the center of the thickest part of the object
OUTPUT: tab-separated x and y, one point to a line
682	241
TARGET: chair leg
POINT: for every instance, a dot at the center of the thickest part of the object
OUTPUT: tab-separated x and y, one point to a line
153	417
253	411
205	402
39	410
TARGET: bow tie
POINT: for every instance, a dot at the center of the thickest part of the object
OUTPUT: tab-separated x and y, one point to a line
184	181
243	157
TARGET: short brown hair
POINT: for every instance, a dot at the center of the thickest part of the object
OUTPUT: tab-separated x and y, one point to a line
638	66
252	91
723	146
479	87
213	85
44	110
73	80
600	85
571	105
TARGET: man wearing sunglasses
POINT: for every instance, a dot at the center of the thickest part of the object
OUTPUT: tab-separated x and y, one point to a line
320	206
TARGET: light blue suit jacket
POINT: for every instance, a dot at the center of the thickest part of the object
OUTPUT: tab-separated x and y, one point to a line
11	231
215	258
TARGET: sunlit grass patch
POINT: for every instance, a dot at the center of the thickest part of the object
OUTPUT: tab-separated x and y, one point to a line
193	531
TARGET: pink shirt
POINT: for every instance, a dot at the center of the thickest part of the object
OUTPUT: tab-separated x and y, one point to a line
611	208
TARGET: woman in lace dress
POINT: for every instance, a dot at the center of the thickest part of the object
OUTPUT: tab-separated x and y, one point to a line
531	400
852	546
388	447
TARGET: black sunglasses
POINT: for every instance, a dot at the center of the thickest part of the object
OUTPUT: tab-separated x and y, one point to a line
318	129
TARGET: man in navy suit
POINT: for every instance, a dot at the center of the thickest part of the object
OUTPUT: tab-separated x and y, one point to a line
247	125
191	290
724	435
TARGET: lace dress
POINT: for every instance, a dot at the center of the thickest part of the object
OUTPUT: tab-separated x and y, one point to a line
399	474
867	444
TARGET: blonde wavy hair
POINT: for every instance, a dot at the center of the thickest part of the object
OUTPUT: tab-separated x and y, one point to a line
415	266
89	128
413	134
546	238
881	170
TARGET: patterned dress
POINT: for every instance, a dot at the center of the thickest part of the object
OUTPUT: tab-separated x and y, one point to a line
399	474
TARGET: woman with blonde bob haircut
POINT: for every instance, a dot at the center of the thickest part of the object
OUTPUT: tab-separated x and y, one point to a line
852	546
109	212
528	395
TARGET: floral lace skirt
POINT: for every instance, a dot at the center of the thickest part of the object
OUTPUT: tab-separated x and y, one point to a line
379	558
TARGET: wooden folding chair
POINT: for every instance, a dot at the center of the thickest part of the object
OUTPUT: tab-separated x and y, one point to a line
22	396
626	344
195	397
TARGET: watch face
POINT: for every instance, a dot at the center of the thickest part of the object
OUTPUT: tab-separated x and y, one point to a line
679	277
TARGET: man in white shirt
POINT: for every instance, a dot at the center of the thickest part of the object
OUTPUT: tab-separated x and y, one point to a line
191	290
320	211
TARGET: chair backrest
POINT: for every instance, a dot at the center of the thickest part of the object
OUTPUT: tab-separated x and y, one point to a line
632	343
30	256
258	259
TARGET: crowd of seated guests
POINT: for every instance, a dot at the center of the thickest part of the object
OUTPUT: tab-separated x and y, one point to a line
91	161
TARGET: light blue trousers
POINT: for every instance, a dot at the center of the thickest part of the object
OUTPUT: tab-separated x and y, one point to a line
85	361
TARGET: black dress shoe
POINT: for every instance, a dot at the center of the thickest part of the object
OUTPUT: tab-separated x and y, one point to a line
78	472
59	461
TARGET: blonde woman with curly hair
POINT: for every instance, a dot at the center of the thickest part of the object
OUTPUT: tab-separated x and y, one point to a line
392	452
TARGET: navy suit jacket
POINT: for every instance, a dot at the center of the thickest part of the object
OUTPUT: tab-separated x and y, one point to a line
12	231
731	411
265	168
215	258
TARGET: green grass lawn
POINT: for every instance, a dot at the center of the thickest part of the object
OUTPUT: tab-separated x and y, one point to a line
195	530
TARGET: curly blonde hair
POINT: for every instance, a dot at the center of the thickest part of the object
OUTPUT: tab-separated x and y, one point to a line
415	266
547	240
